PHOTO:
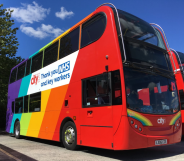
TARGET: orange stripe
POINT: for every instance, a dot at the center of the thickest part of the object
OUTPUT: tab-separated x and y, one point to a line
79	23
80	35
53	109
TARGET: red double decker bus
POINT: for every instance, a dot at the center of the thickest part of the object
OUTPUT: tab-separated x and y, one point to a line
177	61
106	82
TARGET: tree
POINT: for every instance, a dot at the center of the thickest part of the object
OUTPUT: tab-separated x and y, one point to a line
8	59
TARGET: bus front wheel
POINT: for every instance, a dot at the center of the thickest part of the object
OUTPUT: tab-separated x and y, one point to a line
17	130
69	136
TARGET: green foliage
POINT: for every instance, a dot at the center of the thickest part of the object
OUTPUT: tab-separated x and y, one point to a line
8	59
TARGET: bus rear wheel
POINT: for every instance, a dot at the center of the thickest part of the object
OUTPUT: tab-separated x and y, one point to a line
69	136
17	130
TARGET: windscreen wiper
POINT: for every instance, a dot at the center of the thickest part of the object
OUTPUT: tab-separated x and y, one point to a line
150	69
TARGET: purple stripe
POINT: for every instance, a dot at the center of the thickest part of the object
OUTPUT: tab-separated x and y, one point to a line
13	92
19	64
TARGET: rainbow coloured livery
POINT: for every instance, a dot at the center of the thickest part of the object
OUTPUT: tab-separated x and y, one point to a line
103	83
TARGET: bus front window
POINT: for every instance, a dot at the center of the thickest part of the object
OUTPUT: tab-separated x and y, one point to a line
150	93
136	28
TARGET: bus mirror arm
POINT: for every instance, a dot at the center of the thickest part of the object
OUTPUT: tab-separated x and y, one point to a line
121	35
167	46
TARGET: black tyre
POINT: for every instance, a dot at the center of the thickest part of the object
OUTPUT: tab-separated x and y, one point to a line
17	130
69	136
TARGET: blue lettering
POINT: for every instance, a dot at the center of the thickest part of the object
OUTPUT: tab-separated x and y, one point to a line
64	67
45	75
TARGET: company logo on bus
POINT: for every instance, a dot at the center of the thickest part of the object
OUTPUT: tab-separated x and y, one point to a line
35	79
161	121
64	67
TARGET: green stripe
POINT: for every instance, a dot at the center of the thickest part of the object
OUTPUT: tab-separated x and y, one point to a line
24	123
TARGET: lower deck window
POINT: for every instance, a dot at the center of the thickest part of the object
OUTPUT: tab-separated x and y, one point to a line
19	105
35	102
96	90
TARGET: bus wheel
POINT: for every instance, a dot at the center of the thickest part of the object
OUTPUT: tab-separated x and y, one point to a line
69	136
17	130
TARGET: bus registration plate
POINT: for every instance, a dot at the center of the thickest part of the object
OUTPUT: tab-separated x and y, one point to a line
160	142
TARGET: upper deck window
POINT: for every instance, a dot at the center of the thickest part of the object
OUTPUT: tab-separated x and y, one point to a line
137	28
69	43
28	67
50	54
21	71
13	75
37	62
93	29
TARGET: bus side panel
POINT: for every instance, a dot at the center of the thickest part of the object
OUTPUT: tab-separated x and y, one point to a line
53	109
37	117
97	139
73	95
13	91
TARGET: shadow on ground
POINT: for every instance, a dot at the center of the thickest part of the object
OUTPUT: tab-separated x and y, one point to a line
159	152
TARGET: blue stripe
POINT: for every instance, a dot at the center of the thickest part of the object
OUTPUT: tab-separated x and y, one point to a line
34	54
24	86
15	116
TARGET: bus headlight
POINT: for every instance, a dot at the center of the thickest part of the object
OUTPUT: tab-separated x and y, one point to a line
177	125
136	125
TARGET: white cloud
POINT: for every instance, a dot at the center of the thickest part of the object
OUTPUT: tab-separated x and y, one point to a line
29	13
64	13
41	32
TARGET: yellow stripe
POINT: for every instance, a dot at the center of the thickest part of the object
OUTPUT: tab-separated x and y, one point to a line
62	35
37	117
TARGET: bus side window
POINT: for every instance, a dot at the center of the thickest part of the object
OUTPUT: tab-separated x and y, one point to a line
96	90
93	29
13	102
19	105
35	102
50	54
37	62
116	88
13	75
25	104
69	43
28	67
21	71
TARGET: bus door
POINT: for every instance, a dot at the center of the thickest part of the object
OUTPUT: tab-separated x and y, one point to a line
96	112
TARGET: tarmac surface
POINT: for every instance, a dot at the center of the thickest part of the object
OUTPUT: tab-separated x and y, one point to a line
31	149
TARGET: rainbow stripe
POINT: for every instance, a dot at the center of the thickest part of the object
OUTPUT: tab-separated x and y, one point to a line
139	117
62	35
175	118
46	123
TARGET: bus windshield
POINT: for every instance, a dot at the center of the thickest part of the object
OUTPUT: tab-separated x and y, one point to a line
136	28
143	43
150	93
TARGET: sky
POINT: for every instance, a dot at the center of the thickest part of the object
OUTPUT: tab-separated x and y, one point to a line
41	21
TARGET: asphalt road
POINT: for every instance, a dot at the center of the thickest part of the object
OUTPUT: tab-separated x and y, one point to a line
31	149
